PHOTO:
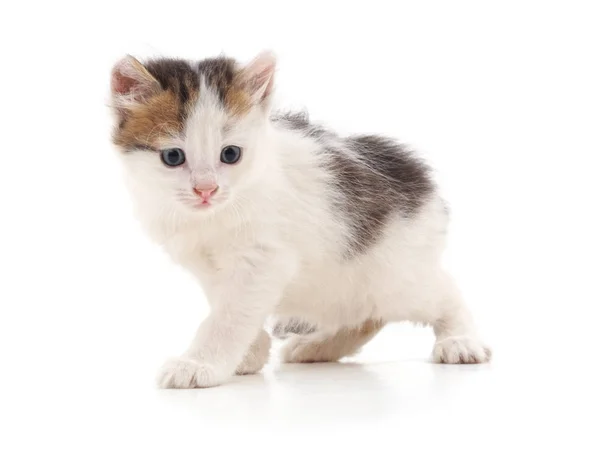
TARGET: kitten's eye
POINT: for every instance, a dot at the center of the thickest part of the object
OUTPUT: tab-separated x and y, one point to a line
172	157
231	154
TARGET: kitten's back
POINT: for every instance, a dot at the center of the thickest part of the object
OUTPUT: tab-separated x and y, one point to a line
374	179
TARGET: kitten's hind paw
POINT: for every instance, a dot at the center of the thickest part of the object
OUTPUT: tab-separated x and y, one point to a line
461	350
187	373
303	349
256	356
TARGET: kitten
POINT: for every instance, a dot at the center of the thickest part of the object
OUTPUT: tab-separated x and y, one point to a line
276	216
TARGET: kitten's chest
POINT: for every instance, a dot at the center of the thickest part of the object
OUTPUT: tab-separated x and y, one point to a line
193	252
207	255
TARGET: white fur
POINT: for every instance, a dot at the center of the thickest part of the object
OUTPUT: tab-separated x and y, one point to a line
271	245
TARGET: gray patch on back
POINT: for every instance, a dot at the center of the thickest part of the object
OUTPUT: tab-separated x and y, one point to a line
379	178
376	178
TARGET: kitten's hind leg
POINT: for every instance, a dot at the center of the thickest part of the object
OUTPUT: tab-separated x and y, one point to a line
257	355
438	302
319	347
456	338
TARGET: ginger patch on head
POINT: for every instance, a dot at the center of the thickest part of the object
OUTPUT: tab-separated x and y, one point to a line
237	101
143	125
222	76
153	100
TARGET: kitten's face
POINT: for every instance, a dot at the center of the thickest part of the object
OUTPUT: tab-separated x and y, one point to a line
192	134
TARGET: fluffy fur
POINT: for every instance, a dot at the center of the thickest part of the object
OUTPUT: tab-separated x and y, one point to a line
333	236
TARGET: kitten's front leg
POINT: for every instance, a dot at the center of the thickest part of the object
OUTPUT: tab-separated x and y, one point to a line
244	295
208	361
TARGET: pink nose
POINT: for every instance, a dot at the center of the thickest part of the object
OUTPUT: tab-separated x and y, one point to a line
205	192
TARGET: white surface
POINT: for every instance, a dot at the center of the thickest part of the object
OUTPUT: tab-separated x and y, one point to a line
503	102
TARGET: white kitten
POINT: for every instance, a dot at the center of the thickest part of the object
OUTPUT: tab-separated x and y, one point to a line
278	217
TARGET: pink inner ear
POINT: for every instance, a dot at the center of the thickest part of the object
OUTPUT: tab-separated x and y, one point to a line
122	84
258	76
264	81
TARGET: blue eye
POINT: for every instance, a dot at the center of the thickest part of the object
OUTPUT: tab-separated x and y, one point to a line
172	157
231	154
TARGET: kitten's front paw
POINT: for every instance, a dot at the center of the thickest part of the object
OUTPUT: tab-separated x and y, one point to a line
461	350
187	373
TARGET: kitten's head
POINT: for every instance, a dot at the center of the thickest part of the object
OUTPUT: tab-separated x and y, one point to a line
192	134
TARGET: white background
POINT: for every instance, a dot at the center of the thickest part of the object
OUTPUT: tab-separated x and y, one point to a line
502	98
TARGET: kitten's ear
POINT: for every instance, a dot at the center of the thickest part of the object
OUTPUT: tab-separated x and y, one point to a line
131	82
257	77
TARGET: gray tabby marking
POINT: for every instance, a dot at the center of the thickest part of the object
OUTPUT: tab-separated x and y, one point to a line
376	179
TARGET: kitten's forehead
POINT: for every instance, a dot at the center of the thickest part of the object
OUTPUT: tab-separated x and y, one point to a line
205	122
183	85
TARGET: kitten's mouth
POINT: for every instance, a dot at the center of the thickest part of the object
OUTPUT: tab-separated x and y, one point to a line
205	204
202	204
198	204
